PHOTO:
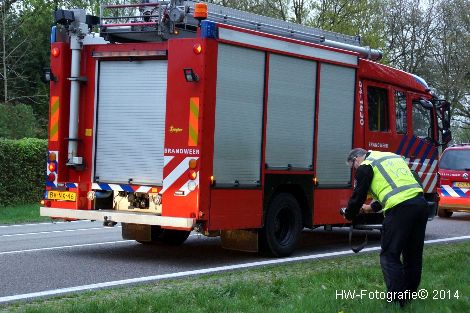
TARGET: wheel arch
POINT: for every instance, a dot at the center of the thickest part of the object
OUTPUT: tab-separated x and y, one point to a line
298	187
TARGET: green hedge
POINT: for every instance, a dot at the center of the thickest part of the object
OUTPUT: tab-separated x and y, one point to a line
22	170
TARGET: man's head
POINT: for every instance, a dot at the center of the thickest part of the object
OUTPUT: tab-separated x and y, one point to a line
356	156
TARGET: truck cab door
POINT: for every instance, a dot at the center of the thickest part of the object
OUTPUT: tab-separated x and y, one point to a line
379	133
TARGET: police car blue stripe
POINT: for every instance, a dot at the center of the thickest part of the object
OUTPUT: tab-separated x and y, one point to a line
460	192
445	193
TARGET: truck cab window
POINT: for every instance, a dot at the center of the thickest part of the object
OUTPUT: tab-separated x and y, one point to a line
377	109
400	112
421	120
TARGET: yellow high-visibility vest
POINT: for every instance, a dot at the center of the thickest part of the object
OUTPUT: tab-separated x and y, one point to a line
393	181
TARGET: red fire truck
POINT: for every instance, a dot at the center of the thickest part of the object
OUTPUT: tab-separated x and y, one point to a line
182	116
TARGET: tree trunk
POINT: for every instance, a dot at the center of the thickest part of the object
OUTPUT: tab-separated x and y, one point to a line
4	60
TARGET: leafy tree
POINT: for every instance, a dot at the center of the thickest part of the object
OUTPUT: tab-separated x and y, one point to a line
449	65
275	8
25	47
356	18
17	121
432	38
426	37
410	28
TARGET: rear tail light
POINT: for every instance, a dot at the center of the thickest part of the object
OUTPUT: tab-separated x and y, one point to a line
197	49
192	175
192	164
52	157
55	52
51	177
192	186
52	167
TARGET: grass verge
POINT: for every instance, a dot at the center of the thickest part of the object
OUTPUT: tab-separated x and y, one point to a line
301	287
21	214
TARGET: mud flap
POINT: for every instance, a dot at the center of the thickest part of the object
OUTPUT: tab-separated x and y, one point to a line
137	232
240	240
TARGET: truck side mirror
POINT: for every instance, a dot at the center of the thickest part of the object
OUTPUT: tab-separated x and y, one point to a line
446	136
425	104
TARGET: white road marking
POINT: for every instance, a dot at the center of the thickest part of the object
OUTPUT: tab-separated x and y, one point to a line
47	223
72	246
55	231
196	272
65	247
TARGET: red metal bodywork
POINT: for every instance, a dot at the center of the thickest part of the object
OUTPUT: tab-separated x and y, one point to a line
452	197
221	209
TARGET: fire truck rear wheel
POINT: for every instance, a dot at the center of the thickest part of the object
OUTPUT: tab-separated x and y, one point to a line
173	237
282	226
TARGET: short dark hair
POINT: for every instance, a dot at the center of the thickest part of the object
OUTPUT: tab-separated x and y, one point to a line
356	152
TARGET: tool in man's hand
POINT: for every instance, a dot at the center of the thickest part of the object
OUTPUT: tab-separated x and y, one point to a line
342	211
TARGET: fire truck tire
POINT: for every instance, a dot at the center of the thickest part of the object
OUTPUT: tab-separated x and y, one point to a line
444	213
282	226
169	237
173	237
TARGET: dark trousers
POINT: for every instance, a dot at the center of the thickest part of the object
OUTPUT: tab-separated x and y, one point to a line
403	235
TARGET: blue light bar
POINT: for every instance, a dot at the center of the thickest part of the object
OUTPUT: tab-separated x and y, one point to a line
421	81
53	34
209	29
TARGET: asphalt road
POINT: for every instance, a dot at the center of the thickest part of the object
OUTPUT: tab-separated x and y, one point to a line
47	256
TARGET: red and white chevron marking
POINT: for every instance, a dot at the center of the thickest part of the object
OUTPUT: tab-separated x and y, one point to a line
175	171
426	172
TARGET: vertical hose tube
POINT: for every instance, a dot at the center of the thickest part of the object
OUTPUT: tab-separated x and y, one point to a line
76	47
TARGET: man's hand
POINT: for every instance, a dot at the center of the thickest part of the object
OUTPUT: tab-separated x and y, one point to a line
366	208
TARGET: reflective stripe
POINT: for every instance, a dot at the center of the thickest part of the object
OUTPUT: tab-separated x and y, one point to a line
385	175
374	195
398	190
378	164
385	158
392	184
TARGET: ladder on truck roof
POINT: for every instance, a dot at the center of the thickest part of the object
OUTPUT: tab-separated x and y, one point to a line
156	20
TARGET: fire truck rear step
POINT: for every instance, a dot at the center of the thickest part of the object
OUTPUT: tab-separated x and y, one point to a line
120	217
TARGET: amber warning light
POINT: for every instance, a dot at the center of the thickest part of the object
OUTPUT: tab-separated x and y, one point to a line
197	48
200	11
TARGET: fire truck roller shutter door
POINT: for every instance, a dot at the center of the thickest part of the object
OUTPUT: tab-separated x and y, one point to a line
131	121
239	115
335	123
291	112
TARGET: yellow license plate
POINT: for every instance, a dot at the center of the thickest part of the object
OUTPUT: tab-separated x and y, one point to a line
62	195
462	185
